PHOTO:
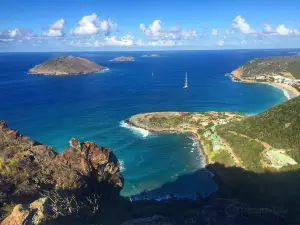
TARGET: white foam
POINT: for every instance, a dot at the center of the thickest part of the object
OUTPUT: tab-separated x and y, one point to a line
103	71
140	131
122	167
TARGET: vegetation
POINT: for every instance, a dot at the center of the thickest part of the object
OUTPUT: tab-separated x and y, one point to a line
273	65
278	126
223	157
248	150
6	209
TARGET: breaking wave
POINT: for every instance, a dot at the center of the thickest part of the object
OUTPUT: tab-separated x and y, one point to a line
136	130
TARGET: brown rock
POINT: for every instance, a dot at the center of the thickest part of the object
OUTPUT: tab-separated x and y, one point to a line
30	167
33	214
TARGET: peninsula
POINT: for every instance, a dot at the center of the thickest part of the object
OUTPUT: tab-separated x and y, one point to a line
66	65
123	59
281	72
267	141
202	125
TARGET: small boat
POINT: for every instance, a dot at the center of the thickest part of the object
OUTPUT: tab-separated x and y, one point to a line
152	73
186	81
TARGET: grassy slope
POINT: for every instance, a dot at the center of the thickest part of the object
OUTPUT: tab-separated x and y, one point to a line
278	126
273	65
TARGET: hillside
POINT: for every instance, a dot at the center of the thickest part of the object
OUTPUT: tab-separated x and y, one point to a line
278	128
288	66
66	65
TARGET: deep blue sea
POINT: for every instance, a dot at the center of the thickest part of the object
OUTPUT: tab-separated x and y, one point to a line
53	109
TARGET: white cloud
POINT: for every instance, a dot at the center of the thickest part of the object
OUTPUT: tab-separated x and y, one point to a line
58	25
282	30
14	33
156	32
54	33
154	29
268	28
56	29
241	24
214	32
187	34
91	24
167	43
127	40
221	42
17	34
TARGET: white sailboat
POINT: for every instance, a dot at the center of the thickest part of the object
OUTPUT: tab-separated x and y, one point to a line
186	81
152	73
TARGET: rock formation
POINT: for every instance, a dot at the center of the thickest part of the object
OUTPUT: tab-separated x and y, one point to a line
124	58
66	65
27	168
34	214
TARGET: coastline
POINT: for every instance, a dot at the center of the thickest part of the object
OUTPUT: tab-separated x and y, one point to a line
289	91
195	136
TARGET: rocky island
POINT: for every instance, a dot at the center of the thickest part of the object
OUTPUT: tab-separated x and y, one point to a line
66	65
281	72
123	59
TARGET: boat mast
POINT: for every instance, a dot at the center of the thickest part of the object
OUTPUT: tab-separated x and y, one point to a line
186	81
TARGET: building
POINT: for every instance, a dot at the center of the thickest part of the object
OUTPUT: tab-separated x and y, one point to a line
279	158
216	145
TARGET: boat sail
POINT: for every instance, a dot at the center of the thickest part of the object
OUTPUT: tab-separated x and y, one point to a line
186	81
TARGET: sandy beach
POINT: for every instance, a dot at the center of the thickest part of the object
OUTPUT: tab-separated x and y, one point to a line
289	91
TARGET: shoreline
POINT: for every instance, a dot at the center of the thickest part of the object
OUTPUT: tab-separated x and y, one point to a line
194	135
289	91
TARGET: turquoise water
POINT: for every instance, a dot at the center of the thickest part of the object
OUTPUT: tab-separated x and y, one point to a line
92	107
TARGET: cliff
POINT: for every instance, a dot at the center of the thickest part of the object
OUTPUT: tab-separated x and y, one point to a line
28	167
66	65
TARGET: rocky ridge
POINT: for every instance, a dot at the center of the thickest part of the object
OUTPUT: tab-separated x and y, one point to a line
28	168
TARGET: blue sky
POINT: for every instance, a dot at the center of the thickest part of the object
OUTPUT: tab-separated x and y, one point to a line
78	25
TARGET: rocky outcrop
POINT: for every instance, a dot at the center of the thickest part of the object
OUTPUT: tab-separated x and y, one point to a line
28	167
66	65
124	58
33	214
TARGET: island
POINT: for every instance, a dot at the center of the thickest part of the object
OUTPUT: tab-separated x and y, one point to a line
123	59
152	55
66	65
281	71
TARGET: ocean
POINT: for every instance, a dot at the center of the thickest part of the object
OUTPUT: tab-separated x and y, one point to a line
53	109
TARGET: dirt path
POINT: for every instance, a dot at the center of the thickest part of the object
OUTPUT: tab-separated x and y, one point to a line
235	158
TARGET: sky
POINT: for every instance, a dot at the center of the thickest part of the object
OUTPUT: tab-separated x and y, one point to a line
102	25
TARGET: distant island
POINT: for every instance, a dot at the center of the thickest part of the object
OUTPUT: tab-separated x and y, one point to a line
152	55
123	59
280	71
66	65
